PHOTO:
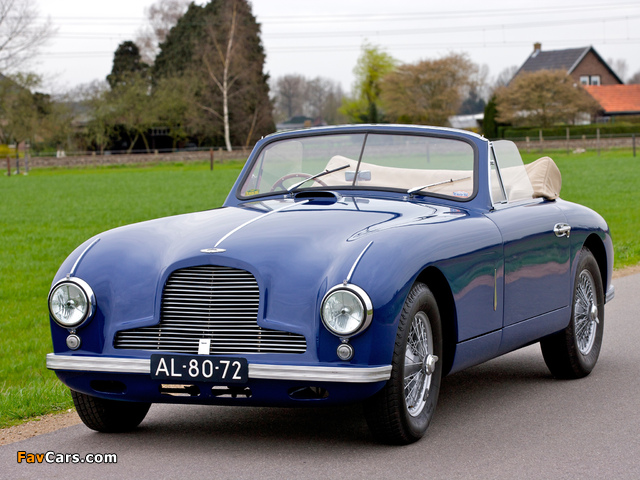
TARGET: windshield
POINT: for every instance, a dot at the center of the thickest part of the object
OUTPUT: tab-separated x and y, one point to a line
425	165
514	175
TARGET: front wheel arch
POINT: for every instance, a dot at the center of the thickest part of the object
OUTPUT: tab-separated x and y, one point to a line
435	280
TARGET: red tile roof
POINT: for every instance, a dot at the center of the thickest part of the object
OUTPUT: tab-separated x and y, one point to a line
616	98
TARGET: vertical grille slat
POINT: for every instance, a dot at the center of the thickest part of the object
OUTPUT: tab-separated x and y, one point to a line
217	303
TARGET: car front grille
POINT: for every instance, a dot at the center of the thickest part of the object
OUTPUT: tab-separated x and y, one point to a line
210	302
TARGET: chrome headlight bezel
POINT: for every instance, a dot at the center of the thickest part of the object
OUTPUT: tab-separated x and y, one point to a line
359	295
87	294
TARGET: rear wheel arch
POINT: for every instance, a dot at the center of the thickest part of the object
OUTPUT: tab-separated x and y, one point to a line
595	245
433	278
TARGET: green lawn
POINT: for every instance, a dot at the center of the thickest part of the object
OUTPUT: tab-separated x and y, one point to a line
610	185
45	215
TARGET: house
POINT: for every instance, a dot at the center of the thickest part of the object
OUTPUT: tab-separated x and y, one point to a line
584	65
616	100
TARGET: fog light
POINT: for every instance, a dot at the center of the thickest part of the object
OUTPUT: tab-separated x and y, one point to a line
344	351
73	342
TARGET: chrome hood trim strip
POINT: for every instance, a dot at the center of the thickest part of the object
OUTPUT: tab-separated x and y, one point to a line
256	370
256	219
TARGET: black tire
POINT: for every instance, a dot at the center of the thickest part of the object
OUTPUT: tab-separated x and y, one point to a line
393	416
573	352
109	416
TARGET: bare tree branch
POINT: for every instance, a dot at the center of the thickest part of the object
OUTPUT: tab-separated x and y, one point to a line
162	16
20	35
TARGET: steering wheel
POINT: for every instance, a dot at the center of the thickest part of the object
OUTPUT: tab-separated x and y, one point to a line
279	185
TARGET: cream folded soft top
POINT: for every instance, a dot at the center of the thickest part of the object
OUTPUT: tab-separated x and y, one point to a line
545	177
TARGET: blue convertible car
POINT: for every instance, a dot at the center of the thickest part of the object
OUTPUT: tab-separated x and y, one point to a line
348	264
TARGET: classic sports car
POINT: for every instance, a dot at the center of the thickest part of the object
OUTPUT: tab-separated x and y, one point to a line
348	264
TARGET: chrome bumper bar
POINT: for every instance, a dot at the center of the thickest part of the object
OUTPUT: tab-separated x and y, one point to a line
611	292
346	374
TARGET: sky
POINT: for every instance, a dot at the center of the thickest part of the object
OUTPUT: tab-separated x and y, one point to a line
325	38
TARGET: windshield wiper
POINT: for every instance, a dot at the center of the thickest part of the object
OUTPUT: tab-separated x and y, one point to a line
411	191
321	174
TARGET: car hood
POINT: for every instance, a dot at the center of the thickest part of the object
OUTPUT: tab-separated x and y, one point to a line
296	249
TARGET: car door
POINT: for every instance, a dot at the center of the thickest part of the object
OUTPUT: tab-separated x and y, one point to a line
536	242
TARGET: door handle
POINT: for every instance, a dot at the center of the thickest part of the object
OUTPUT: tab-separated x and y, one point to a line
562	230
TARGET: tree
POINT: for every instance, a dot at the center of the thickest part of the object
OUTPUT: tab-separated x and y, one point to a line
173	107
290	92
620	66
489	124
543	98
20	36
162	16
21	111
364	107
317	97
634	79
132	108
219	46
101	116
430	91
127	62
504	77
472	104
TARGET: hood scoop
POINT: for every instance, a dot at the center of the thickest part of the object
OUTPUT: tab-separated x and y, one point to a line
317	197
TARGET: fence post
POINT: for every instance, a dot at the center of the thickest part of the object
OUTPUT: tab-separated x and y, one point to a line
541	149
211	159
568	139
26	159
8	166
598	140
528	145
633	141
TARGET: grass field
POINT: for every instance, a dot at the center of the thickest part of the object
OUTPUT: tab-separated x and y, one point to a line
610	185
45	215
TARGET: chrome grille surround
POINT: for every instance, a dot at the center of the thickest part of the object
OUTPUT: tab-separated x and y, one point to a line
210	302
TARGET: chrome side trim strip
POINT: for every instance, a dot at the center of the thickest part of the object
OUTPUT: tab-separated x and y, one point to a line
256	370
77	262
611	292
355	264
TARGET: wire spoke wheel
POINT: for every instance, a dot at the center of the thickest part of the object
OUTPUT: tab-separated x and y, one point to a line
585	313
400	413
418	364
574	351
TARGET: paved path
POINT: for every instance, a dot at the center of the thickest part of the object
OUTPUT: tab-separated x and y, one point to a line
505	419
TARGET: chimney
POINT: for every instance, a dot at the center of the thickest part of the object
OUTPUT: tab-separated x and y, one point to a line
537	47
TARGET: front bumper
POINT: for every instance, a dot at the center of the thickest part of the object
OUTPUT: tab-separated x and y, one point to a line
257	371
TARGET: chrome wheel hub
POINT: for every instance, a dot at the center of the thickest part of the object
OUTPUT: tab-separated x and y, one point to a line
585	313
419	364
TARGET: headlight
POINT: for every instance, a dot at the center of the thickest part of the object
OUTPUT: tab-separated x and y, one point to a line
71	302
346	310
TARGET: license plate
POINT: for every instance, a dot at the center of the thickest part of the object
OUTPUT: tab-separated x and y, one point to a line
201	368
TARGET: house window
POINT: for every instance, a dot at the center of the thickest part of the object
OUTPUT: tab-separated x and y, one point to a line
590	79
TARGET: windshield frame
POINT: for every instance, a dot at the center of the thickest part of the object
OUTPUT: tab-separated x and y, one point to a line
437	132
